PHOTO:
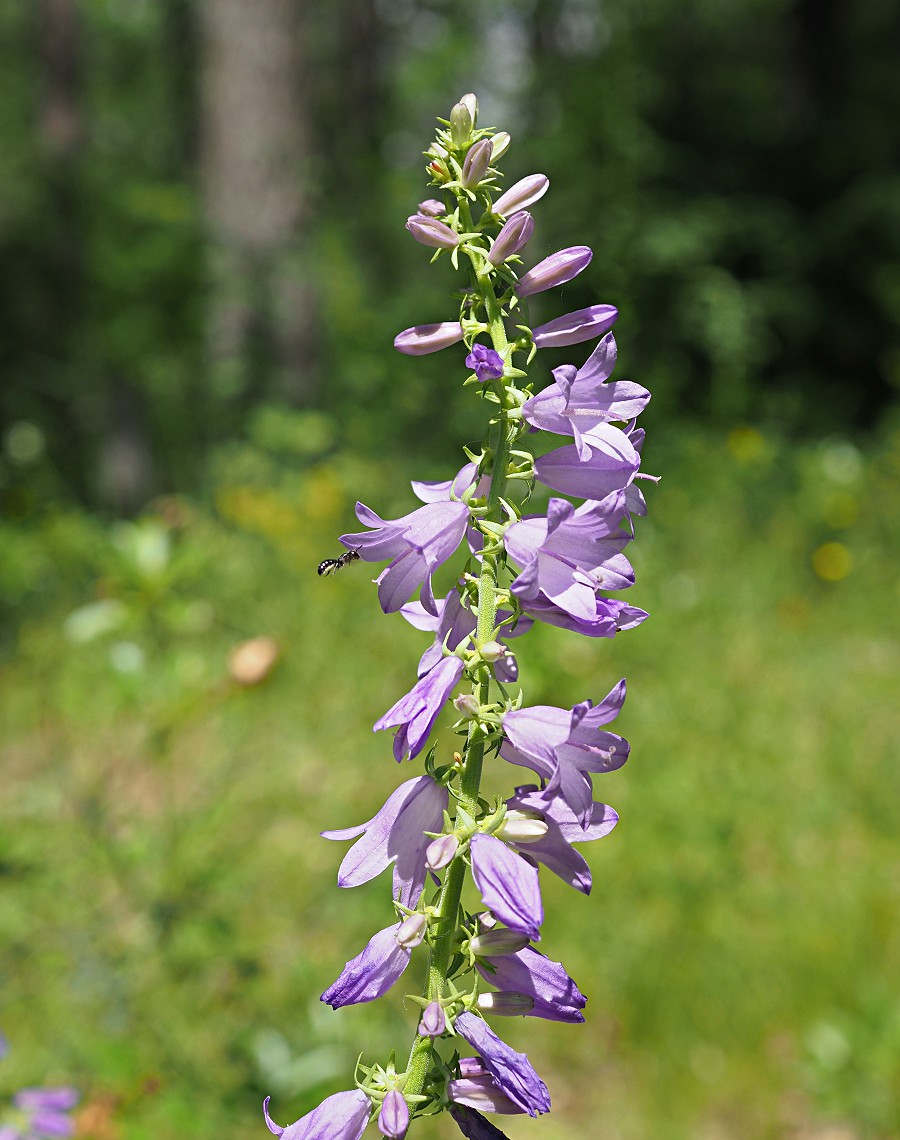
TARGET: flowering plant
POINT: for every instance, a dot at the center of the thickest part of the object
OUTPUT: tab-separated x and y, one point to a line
38	1113
556	567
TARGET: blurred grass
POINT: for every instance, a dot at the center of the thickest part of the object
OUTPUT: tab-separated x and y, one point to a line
170	915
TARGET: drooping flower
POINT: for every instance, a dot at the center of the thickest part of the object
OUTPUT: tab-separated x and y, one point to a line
508	884
521	195
554	849
554	995
422	339
512	1071
451	627
372	972
486	363
573	328
515	235
580	398
429	231
393	1119
415	713
417	544
554	270
396	834
607	462
609	618
565	745
571	554
471	1123
343	1116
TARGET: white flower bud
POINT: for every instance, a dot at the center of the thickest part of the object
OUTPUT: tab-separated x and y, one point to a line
467	705
521	827
492	651
500	144
412	931
496	943
506	1004
440	852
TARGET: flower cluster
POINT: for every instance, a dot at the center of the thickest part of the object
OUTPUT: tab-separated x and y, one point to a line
558	565
38	1113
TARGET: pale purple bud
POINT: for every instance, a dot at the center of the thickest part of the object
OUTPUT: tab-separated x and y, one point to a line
524	193
575	327
500	143
484	1093
434	1021
492	651
412	931
467	705
554	270
512	237
429	231
486	363
440	852
393	1119
422	339
477	161
505	1004
522	827
496	943
432	208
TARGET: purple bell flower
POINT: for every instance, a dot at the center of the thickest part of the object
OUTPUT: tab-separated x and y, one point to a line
508	885
521	195
422	339
571	554
573	328
486	363
554	270
393	1119
515	235
512	1071
579	400
372	972
417	544
395	835
343	1116
415	714
429	231
554	995
564	745
453	624
610	616
608	462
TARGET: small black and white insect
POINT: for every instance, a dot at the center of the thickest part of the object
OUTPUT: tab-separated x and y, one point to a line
332	565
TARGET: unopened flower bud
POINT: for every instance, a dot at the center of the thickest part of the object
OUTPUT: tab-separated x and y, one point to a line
422	339
506	1004
500	145
467	705
512	237
554	270
573	328
440	852
429	231
497	943
412	931
432	208
477	161
434	1021
524	193
521	827
393	1119
470	101
492	651
461	123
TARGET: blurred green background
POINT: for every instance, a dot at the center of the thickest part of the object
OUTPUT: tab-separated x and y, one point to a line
203	266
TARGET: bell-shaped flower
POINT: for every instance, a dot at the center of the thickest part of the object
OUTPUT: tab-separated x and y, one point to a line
393	1117
422	339
554	849
531	974
415	713
554	270
580	399
609	618
515	235
396	834
429	231
607	462
343	1116
451	627
512	1071
521	195
573	328
417	544
571	554
372	972
508	884
565	745
486	363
